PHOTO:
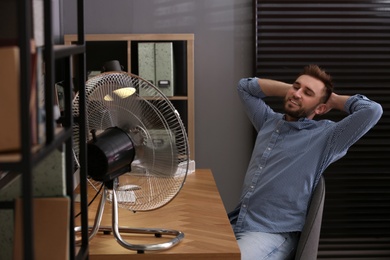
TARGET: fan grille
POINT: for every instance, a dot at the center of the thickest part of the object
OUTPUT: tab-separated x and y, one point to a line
155	128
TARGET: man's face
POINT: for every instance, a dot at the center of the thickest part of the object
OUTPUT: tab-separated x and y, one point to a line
303	99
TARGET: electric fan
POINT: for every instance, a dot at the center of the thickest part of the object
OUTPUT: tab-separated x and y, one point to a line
137	150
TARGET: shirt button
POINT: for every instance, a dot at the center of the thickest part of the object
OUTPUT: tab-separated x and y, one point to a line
269	148
277	131
244	206
252	187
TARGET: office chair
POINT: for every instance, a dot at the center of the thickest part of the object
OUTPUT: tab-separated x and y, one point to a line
307	248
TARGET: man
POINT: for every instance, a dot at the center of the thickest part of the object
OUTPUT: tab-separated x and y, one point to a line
291	152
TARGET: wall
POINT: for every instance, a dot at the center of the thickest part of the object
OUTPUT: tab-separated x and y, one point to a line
223	54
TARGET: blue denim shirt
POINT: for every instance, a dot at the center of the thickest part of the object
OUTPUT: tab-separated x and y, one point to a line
288	159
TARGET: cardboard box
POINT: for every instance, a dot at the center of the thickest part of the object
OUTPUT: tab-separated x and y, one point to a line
9	101
51	229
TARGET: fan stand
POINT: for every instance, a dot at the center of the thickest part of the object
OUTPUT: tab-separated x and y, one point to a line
140	248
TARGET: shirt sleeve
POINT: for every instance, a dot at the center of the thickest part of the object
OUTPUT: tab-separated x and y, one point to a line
251	97
363	115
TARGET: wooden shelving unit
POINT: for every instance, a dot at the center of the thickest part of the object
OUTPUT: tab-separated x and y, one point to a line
123	47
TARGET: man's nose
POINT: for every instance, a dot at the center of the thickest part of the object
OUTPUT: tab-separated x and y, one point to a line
298	93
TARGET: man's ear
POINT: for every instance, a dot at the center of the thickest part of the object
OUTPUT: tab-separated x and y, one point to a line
322	109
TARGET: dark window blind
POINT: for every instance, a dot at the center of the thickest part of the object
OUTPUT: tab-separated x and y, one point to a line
351	40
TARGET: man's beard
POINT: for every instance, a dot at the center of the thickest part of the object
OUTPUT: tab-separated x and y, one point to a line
299	113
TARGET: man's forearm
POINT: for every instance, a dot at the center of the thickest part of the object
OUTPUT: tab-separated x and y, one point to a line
273	87
337	101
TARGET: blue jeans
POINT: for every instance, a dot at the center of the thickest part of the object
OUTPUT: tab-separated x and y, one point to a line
260	245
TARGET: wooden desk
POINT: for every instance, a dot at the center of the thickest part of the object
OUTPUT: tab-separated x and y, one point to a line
197	211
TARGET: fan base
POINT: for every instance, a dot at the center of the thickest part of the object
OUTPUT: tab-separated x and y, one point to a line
117	230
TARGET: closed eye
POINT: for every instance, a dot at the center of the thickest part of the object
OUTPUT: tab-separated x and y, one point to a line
296	86
306	90
309	93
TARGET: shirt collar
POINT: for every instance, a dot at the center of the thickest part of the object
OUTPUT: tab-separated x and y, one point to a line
301	123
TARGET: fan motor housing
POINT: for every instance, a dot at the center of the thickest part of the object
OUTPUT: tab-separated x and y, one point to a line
110	154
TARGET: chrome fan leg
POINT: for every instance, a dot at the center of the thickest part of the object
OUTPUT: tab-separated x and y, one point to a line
98	218
141	248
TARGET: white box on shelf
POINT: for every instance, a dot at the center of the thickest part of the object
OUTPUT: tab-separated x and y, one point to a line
164	67
146	64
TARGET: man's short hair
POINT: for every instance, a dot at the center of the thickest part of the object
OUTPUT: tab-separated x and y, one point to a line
316	72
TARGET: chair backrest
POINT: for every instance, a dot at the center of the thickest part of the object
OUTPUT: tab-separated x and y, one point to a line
307	248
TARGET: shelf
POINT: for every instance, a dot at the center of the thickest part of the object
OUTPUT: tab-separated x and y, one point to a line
63	51
12	159
10	176
133	37
21	164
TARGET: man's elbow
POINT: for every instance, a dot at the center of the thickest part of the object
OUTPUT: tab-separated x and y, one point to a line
242	83
377	112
